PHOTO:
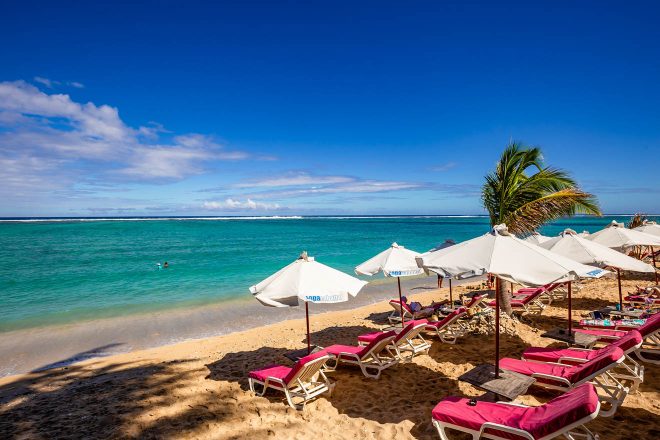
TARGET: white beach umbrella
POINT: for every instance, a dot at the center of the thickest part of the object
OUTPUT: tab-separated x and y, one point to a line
651	228
570	244
395	261
536	238
618	237
509	258
447	243
308	281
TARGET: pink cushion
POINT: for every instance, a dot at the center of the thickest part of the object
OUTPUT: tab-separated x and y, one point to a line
641	299
474	300
651	325
360	351
539	421
540	354
369	337
282	372
405	306
573	373
277	371
606	334
440	324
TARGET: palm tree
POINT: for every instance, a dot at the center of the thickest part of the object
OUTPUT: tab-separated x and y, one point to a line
524	201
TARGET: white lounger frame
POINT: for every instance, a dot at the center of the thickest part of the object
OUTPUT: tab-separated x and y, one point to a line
308	383
628	369
412	342
650	345
374	359
609	389
566	431
451	330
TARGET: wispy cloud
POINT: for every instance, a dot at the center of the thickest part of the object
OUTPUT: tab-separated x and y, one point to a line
230	204
50	141
52	83
444	167
295	179
302	184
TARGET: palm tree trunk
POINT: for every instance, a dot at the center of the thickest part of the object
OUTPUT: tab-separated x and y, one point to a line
504	297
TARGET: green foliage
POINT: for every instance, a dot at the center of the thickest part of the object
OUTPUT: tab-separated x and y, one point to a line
524	201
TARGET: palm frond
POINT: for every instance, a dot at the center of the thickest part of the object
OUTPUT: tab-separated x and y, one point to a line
564	203
526	201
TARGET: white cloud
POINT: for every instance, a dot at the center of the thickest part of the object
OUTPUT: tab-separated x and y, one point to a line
444	167
230	204
45	81
76	84
295	179
67	135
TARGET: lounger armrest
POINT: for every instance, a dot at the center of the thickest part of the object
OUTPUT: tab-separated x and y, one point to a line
499	427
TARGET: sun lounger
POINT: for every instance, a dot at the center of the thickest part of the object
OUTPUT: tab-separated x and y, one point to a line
300	383
531	304
629	369
650	331
555	291
372	358
408	314
408	339
564	415
451	327
566	377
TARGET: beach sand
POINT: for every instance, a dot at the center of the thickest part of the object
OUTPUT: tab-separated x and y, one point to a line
198	389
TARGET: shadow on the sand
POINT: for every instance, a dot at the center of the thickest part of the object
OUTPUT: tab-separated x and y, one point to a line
101	351
361	397
234	367
104	402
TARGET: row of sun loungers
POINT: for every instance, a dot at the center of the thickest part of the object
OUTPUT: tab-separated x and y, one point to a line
594	380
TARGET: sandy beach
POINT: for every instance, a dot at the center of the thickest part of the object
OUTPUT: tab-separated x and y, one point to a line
198	389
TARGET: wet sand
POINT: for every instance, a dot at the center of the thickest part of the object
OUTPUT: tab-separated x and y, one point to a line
198	389
53	346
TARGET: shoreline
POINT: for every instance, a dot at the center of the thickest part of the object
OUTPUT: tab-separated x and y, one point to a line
52	346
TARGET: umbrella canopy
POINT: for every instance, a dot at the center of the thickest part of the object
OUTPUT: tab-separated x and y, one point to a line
536	238
570	244
509	258
651	228
500	253
308	281
448	242
617	236
395	261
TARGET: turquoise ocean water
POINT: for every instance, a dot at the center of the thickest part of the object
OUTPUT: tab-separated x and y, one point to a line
65	271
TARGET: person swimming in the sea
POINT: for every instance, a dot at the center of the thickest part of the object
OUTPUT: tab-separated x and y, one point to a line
166	265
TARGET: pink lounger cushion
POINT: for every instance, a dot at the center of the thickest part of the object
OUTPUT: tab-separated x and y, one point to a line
641	298
539	421
282	372
572	373
369	337
360	350
544	354
446	319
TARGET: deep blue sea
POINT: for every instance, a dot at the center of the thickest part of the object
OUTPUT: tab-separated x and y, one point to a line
62	271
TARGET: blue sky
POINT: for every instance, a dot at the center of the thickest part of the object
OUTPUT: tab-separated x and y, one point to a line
280	108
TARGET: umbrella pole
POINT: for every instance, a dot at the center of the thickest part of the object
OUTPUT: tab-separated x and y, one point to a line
309	345
398	280
497	327
570	309
618	278
451	296
656	272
